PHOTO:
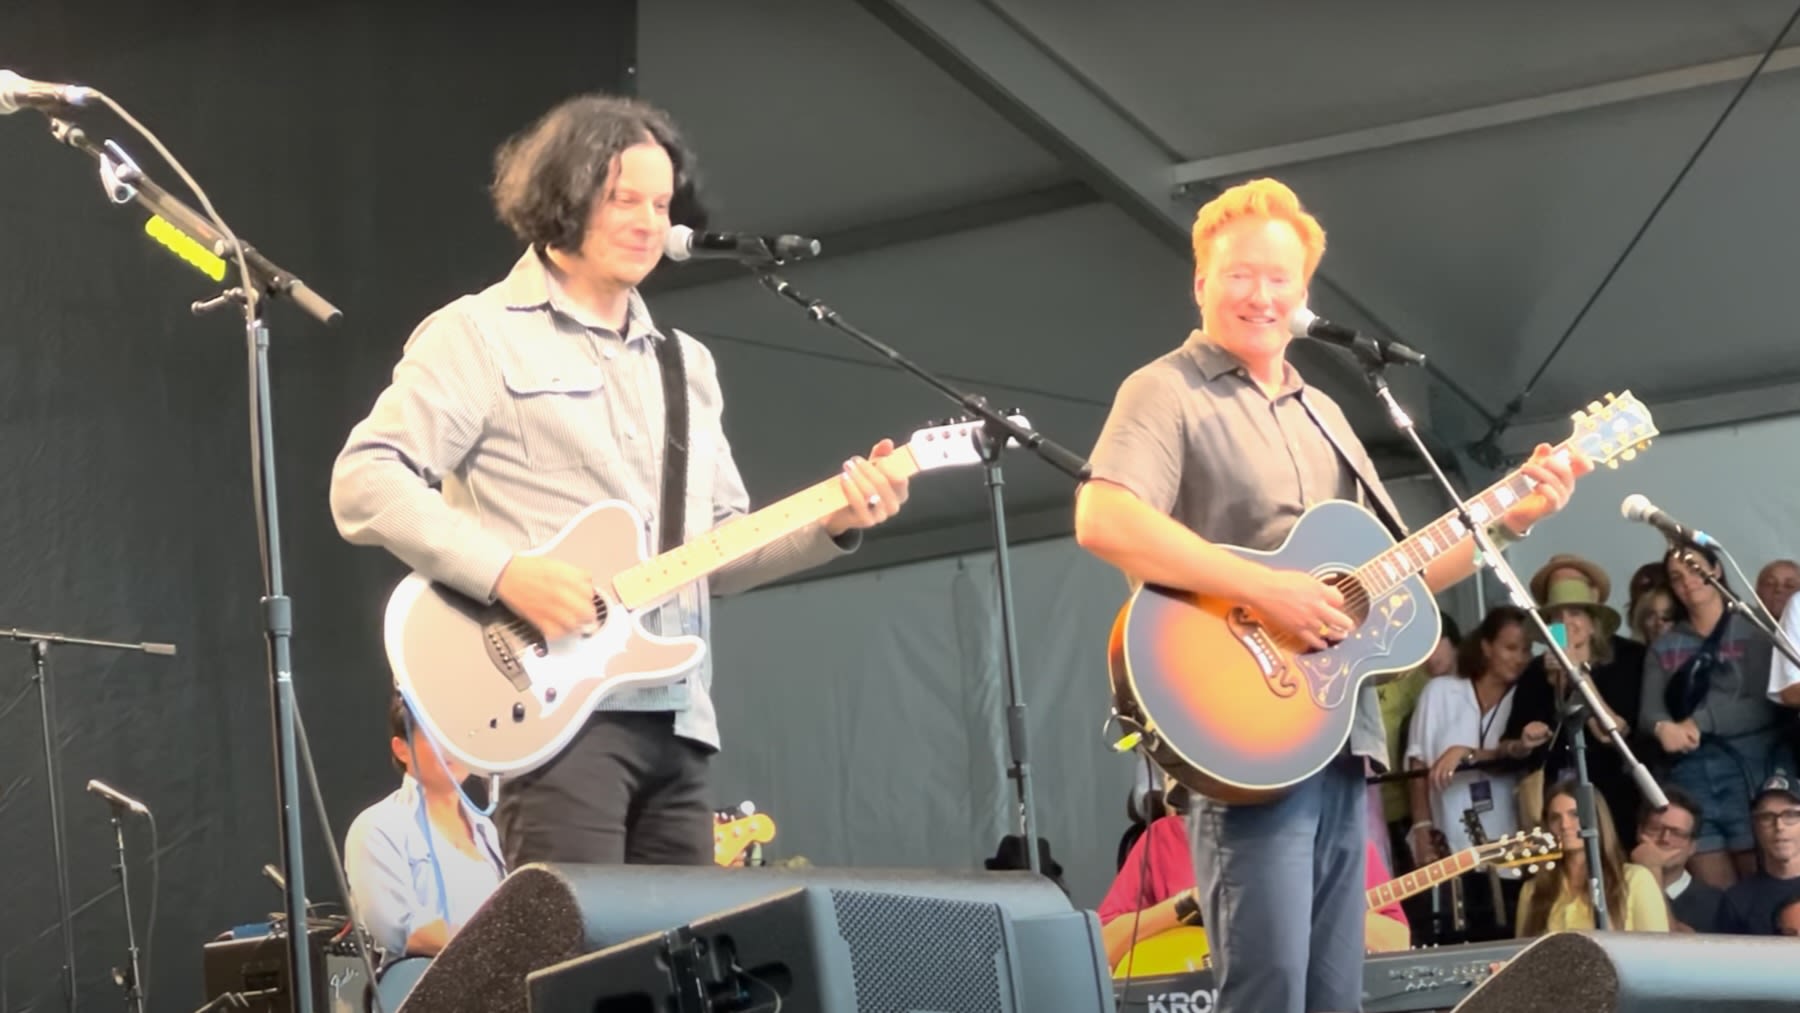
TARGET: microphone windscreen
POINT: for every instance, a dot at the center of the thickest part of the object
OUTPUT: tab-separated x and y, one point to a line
678	245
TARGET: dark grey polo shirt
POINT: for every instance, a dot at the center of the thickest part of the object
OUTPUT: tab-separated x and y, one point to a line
1193	435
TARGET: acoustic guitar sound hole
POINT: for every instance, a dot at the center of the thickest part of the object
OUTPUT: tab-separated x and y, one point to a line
1356	596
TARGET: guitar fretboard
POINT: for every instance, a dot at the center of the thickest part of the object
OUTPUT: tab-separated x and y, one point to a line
1419	880
1411	556
661	577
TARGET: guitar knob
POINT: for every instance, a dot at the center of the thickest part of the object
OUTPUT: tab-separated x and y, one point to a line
518	712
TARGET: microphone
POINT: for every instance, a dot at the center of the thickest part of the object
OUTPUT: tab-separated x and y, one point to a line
1637	507
1306	324
684	243
118	798
18	93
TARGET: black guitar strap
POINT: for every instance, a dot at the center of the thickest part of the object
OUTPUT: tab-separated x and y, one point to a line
1384	507
675	442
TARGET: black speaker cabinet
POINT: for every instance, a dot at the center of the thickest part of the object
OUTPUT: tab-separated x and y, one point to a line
825	950
1642	972
548	914
809	950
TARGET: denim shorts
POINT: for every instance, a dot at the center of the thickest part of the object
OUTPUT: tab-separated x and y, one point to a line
1722	775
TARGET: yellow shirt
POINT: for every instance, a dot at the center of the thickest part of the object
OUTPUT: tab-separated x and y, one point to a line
1646	909
1397	701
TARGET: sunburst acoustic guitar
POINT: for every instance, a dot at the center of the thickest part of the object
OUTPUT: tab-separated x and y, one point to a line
1240	712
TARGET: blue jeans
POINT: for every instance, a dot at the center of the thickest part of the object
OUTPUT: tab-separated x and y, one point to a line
1722	775
1282	890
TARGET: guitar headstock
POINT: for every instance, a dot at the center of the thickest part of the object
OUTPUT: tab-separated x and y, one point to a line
1527	849
733	837
1471	821
954	443
1612	430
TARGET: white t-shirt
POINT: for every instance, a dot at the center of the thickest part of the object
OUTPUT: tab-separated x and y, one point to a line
1448	715
1782	672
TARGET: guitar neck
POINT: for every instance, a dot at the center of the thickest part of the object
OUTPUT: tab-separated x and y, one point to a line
1411	556
660	578
1419	880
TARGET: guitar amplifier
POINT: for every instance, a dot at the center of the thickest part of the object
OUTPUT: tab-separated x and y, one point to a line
1411	981
257	969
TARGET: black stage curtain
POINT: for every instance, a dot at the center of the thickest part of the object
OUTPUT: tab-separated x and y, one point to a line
352	143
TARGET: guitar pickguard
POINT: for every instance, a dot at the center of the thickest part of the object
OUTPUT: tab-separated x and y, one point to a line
1332	672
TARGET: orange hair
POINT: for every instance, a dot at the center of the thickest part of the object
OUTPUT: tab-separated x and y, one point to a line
1259	198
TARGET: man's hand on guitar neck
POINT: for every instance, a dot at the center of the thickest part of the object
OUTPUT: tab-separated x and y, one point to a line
873	494
551	595
1553	476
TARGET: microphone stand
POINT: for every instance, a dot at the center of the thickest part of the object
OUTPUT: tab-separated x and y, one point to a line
130	977
259	281
994	436
1487	553
40	678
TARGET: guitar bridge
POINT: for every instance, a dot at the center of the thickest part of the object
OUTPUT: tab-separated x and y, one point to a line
506	639
509	639
1268	658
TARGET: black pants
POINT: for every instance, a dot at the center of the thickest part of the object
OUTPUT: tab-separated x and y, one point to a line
626	790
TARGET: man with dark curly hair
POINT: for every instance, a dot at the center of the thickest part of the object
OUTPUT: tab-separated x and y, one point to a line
515	408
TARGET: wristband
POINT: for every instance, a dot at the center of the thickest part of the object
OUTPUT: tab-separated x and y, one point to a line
1422	823
1503	536
1187	908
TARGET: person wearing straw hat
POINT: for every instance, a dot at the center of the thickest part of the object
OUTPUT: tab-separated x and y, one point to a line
1571	592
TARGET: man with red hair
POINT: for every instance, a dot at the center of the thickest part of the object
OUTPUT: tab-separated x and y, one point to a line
1220	442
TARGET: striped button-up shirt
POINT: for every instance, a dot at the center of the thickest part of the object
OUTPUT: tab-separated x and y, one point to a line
514	409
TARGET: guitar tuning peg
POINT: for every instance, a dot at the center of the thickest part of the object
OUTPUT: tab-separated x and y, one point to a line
1594	406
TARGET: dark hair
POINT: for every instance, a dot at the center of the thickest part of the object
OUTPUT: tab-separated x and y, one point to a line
1712	559
400	722
1648	578
1678	799
1469	660
547	176
1452	631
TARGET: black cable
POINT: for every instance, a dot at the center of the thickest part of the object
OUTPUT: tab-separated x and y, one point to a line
1137	916
1513	406
150	928
337	859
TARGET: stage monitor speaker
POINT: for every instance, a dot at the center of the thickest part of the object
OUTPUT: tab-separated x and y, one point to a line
545	914
824	950
1642	972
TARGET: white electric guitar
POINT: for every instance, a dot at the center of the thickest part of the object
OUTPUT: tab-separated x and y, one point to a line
493	694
